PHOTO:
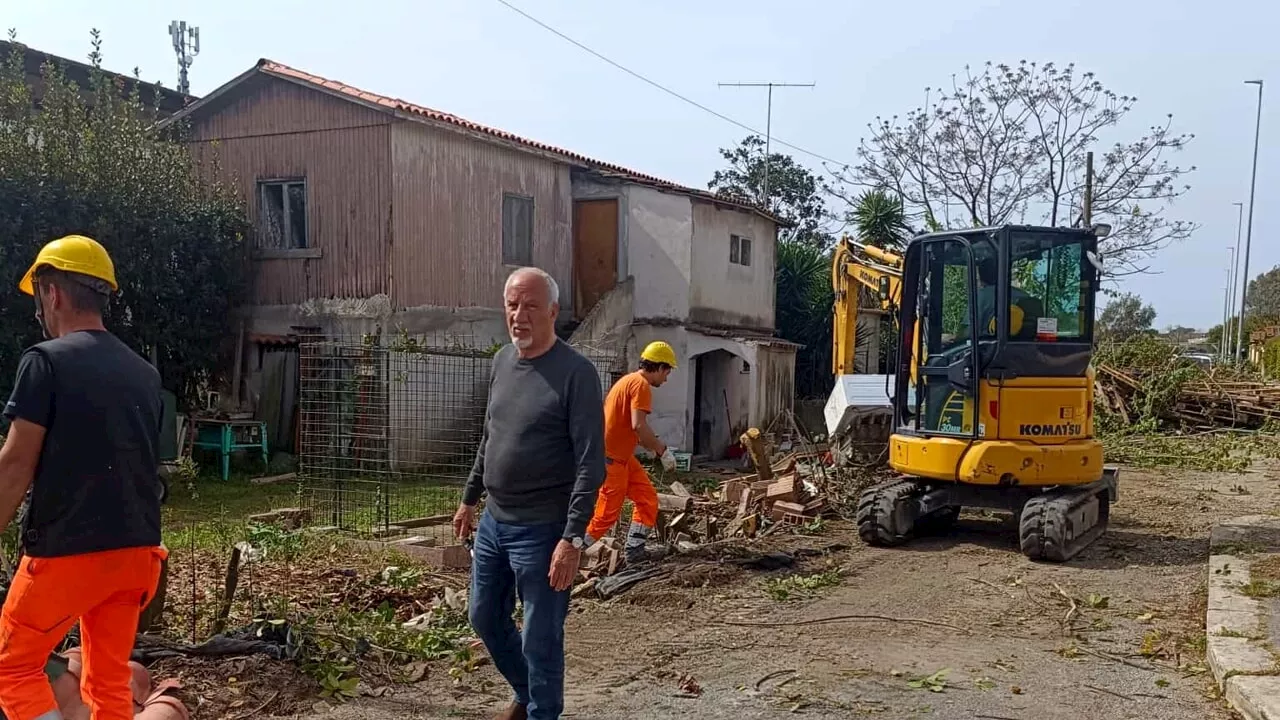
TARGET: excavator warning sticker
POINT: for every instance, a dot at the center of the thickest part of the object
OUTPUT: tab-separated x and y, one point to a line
1047	328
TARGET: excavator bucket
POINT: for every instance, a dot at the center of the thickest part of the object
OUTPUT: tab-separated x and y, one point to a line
859	415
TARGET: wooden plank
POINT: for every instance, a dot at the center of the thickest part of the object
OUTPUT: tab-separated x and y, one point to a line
273	479
426	521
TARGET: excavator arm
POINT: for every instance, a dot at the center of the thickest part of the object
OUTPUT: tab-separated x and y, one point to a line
856	266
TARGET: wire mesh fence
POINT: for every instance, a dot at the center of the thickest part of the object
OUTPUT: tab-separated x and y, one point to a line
390	428
609	362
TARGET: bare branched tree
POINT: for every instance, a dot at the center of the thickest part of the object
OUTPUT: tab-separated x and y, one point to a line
1009	145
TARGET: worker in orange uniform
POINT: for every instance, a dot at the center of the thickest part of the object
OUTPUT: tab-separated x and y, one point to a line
626	411
85	418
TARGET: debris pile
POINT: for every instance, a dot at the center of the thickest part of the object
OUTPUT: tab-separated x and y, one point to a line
1187	397
785	491
1156	408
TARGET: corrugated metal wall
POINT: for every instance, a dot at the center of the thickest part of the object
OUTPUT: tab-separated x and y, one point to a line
279	129
775	377
394	206
448	217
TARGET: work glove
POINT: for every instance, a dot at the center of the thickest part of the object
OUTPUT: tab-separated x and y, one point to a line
668	460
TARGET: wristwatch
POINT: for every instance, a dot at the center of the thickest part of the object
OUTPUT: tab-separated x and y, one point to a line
577	542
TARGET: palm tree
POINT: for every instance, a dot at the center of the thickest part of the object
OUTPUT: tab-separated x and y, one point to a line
881	219
803	312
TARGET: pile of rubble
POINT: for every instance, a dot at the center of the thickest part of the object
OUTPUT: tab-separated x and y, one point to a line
786	491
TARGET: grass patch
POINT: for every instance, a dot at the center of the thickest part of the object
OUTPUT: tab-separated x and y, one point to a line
1229	633
203	504
786	588
1259	588
340	610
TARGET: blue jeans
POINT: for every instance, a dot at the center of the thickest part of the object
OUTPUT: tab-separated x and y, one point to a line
516	559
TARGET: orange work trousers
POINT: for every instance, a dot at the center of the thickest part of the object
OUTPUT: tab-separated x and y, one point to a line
105	592
624	480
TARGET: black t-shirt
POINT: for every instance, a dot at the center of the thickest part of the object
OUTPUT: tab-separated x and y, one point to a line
97	486
32	398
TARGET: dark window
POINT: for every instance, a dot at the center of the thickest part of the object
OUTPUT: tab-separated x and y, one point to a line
517	229
740	250
1051	278
283	213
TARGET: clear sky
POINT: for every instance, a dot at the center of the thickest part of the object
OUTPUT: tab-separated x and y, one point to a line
480	60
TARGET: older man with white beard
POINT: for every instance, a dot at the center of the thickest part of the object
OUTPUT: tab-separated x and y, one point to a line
541	461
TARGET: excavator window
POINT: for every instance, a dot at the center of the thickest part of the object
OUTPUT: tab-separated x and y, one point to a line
1051	281
944	306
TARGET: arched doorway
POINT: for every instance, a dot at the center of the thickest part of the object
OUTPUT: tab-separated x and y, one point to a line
720	402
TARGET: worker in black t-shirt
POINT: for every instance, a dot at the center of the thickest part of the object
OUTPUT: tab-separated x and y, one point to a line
85	419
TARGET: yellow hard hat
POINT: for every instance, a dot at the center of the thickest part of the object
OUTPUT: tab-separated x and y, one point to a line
74	254
659	352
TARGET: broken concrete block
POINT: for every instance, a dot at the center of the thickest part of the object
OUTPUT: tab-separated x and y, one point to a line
784	489
288	518
783	508
414	540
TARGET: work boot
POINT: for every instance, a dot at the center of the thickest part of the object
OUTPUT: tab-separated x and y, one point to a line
633	551
641	554
514	711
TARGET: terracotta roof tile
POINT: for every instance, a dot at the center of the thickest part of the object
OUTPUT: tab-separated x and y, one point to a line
271	67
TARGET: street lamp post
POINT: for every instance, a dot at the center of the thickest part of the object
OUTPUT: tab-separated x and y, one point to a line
1226	308
1248	238
1235	282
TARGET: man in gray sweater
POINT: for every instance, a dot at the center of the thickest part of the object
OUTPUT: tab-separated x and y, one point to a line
541	461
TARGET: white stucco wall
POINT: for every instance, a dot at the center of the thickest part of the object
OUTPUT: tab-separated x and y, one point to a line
754	397
726	294
658	250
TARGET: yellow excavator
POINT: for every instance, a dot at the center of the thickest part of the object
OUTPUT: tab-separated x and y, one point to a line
1001	418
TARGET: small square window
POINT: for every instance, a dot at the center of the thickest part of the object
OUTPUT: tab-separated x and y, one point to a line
740	250
517	229
282	206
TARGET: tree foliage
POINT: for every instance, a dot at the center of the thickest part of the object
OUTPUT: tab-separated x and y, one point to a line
804	300
1263	297
1008	145
1252	323
92	161
796	194
1124	317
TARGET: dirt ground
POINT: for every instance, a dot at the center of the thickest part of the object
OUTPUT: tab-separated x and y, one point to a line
1006	632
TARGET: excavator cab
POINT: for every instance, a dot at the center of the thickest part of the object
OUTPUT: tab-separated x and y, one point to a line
993	396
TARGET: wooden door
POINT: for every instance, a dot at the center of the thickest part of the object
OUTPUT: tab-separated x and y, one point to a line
595	252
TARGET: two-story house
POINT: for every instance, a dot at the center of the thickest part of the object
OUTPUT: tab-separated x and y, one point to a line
374	212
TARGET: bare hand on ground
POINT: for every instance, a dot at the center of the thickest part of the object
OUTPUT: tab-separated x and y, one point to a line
464	521
564	565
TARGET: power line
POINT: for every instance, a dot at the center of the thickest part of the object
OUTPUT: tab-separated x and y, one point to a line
666	89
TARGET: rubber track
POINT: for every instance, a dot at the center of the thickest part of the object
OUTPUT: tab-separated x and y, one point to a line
876	513
1042	529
